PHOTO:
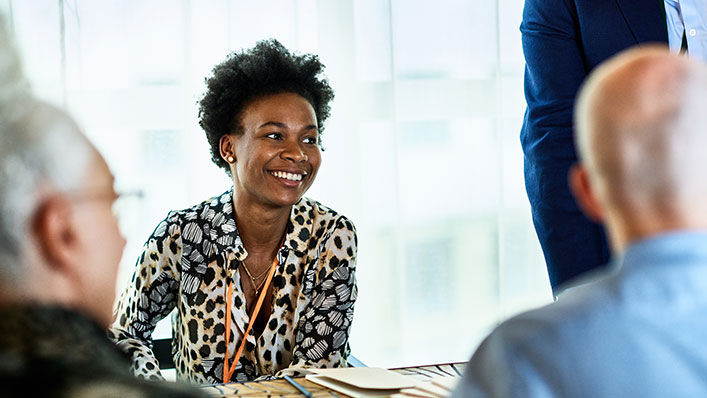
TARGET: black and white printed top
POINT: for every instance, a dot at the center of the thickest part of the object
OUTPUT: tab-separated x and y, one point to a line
183	265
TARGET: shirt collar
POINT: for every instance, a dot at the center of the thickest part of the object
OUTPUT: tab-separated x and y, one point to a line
224	236
672	248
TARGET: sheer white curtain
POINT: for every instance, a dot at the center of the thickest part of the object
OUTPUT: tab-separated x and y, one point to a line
422	148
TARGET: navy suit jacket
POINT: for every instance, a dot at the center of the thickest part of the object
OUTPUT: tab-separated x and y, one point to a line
563	40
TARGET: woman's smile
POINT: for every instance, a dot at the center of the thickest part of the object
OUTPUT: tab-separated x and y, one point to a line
288	178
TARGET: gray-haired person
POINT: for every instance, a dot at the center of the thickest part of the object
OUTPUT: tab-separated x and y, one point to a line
59	252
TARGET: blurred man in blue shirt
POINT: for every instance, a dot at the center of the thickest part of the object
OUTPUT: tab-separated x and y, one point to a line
637	329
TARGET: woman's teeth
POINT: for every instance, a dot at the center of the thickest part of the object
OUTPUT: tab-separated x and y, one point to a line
287	176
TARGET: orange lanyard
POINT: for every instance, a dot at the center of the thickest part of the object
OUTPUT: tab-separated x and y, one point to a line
228	372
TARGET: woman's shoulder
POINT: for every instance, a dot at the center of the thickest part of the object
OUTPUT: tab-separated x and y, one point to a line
326	234
310	212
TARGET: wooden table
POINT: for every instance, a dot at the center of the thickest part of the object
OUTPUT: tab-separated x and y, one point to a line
281	388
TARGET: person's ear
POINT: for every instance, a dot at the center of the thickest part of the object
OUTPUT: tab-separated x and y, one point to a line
226	148
56	235
584	194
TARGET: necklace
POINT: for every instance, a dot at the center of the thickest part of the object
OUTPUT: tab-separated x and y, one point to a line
257	288
252	278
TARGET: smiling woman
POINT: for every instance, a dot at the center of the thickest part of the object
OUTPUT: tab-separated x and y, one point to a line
276	157
262	278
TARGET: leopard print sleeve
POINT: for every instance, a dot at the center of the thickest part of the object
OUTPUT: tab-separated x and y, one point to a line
150	296
321	338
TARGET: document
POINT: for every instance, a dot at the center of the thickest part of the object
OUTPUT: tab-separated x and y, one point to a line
439	387
361	382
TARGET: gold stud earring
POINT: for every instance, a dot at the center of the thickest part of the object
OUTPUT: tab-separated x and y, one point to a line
230	159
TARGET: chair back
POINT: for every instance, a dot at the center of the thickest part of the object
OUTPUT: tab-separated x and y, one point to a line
162	348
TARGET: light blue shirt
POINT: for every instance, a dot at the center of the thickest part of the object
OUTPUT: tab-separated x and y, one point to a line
689	16
639	330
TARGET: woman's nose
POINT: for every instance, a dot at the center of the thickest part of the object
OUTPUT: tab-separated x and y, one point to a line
294	152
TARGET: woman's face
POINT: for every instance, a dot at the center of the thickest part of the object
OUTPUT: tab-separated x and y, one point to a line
277	157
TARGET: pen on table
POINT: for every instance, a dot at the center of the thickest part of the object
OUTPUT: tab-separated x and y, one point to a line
298	387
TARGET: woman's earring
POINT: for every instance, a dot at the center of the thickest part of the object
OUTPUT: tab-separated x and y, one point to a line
230	159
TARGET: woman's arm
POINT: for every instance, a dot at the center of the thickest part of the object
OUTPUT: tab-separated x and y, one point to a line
150	296
322	334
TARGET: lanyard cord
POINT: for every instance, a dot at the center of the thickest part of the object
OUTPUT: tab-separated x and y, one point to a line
227	373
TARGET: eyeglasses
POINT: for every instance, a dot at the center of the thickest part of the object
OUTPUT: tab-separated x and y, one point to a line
120	201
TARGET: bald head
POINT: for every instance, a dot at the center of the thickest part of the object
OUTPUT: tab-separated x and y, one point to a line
641	123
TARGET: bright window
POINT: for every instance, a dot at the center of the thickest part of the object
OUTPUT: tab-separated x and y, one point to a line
422	149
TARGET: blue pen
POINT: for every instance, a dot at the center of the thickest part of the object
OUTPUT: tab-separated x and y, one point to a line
298	387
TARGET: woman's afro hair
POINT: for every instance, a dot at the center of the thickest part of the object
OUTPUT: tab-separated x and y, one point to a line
267	68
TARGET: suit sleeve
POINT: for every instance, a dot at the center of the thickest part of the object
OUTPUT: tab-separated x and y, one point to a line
555	69
150	297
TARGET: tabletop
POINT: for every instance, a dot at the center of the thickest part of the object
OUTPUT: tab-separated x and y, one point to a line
281	388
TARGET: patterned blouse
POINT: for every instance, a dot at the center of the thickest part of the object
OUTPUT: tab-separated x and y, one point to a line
184	265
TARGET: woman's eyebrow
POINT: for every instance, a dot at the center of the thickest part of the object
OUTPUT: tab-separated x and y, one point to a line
276	124
284	126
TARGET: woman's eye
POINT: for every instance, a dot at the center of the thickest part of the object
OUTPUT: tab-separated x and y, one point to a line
310	140
274	136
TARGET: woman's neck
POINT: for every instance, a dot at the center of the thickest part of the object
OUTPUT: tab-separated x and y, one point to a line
261	228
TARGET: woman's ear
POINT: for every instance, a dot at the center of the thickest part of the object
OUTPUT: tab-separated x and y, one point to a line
226	148
584	194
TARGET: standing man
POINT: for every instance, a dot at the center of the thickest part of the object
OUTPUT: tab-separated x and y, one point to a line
563	41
